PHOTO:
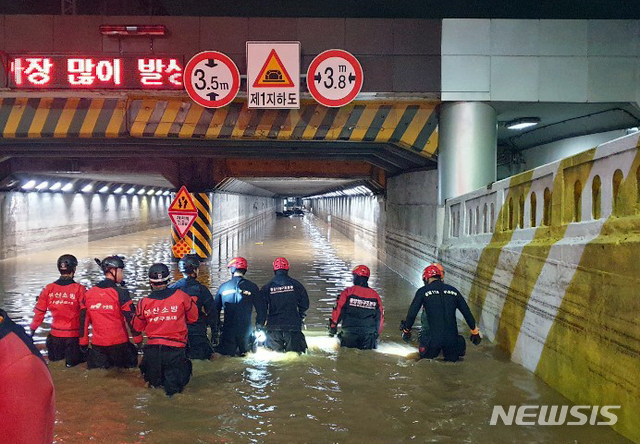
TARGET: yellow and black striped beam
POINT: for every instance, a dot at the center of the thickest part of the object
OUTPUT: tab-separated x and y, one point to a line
199	238
409	125
62	117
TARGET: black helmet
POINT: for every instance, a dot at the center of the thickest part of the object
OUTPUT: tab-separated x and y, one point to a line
189	263
111	262
67	263
158	274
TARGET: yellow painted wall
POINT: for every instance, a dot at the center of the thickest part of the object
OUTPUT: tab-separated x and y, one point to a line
591	353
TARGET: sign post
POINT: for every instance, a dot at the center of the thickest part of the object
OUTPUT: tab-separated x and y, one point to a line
334	78
183	212
212	79
273	75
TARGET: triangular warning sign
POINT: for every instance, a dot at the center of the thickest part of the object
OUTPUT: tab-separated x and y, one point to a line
183	222
273	74
183	202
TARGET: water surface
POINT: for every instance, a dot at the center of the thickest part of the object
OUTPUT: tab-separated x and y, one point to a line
328	395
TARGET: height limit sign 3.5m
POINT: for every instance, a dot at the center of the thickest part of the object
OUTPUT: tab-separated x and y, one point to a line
212	79
334	78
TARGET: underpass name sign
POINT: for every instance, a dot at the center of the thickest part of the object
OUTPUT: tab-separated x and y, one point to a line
183	211
273	75
212	79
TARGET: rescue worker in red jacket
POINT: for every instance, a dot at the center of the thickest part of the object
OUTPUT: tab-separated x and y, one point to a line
359	308
63	299
108	308
440	303
27	396
163	316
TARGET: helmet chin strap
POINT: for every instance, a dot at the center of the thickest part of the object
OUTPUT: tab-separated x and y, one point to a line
113	275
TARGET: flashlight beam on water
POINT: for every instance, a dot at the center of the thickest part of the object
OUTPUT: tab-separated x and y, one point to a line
393	349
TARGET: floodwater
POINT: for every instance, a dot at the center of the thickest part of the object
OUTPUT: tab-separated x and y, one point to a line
328	395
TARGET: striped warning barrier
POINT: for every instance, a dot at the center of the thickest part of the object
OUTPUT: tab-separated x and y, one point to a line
409	125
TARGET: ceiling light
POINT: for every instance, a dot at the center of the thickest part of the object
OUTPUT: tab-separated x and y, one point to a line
142	191
523	123
87	188
68	187
151	192
166	193
29	185
55	187
104	189
131	190
118	190
42	185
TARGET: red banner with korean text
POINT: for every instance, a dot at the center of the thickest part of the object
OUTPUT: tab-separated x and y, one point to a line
39	71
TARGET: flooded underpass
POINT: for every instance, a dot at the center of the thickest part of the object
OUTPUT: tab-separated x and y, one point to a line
328	395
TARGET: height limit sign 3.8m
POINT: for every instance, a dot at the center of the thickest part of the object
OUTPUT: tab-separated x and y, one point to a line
334	78
212	79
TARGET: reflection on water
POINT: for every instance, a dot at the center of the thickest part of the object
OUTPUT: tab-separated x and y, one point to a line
328	395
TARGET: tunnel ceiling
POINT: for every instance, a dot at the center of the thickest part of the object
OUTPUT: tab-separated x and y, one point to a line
293	186
561	120
152	180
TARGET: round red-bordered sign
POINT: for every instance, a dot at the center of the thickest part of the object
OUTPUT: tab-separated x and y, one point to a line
334	78
211	79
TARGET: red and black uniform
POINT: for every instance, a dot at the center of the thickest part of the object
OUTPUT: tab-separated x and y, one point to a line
440	302
108	308
164	316
27	396
63	298
359	308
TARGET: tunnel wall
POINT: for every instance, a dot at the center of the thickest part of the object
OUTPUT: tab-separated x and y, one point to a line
232	212
400	228
33	221
554	278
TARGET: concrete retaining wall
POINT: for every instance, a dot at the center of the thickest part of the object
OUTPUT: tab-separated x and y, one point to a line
554	281
548	260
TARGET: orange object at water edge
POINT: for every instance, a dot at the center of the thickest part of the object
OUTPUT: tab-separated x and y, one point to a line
181	248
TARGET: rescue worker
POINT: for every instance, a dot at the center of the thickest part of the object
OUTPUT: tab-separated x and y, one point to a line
440	302
424	325
198	345
109	309
238	296
27	396
287	304
163	316
63	299
359	308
